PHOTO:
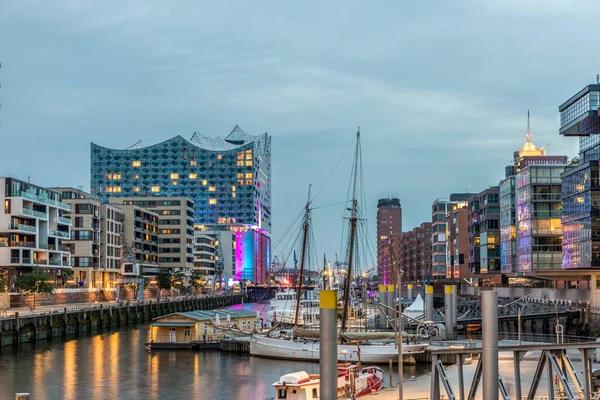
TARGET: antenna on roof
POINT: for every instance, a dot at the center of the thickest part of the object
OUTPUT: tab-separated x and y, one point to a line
597	78
28	178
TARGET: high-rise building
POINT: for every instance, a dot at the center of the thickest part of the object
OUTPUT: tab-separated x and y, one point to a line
229	180
414	253
439	233
95	242
140	236
175	228
528	155
484	237
33	226
457	246
579	117
389	224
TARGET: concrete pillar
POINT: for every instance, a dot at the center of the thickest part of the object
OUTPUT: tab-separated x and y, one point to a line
409	291
448	318
454	306
391	303
429	303
328	349
489	350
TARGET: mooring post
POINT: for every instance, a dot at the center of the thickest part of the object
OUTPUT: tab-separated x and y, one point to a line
409	290
429	302
454	307
382	300
489	348
448	319
391	304
329	340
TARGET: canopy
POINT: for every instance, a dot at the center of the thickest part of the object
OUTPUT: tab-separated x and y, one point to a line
416	306
166	323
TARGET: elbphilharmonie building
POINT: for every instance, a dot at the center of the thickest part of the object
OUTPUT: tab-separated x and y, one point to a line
228	179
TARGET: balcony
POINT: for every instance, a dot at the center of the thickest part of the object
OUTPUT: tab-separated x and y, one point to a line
22	227
66	221
26	260
46	200
59	234
19	244
56	262
33	213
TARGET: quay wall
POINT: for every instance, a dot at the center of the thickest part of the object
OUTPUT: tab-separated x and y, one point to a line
30	328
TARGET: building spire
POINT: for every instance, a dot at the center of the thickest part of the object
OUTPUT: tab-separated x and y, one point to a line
528	135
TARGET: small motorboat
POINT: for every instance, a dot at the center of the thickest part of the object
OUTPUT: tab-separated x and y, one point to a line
353	380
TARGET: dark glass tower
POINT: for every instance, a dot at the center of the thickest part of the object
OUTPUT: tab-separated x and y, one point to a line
228	179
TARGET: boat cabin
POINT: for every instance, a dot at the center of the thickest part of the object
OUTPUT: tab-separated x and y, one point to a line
185	327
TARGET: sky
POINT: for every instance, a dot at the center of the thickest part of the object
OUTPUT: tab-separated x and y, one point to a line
440	90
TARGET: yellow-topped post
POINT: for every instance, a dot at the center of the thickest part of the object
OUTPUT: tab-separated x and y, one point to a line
390	302
448	318
329	340
429	302
409	291
382	301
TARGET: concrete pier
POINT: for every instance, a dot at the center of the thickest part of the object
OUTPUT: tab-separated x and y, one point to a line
429	302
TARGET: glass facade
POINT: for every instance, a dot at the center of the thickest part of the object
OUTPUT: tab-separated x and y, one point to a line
508	228
228	179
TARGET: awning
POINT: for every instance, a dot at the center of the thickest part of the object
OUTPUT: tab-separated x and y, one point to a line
173	324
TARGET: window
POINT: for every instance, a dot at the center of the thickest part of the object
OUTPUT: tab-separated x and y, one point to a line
193	176
212	188
204	181
136	164
136	189
233	188
282	394
220	156
240	163
136	177
212	201
249	175
193	163
7	206
174	176
248	181
155	189
315	393
248	163
78	222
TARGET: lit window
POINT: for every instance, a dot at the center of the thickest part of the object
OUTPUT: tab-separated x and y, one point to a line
117	189
212	201
193	163
137	163
193	176
212	188
240	175
116	176
108	176
109	189
240	163
248	156
220	156
240	182
248	163
248	181
249	176
233	188
136	177
233	195
136	189
155	189
174	176
204	181
174	183
240	156
249	151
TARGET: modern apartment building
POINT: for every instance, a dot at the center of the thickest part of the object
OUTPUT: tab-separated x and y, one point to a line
140	236
175	228
205	254
33	226
229	180
439	234
579	117
457	247
539	211
484	237
95	242
414	253
389	225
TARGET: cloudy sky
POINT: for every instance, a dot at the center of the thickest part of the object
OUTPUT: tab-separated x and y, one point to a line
440	89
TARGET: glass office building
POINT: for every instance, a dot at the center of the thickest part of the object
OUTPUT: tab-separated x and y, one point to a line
228	179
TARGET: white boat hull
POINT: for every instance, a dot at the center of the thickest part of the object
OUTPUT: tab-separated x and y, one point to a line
262	346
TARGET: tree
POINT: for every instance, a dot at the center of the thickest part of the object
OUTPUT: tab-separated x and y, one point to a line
178	278
36	281
197	278
165	279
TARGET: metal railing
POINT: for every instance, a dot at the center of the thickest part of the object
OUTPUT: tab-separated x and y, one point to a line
45	200
22	244
59	233
22	227
525	337
34	213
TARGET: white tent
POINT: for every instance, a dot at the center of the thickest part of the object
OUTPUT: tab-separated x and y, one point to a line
417	307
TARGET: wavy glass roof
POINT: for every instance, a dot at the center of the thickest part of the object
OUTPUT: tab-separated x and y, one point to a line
236	139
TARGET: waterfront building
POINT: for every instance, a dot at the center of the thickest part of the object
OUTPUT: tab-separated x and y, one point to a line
389	224
205	254
140	237
484	237
457	247
229	180
529	154
579	117
539	228
33	226
414	253
439	234
175	228
95	242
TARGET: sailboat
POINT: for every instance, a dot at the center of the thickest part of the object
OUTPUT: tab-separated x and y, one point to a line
299	345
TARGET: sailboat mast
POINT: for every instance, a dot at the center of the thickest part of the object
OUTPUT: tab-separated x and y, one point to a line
303	256
353	219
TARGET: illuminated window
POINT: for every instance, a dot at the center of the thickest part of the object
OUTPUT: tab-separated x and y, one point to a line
136	177
108	176
193	163
240	182
248	163
240	156
193	176
147	257
147	237
117	189
137	163
212	188
220	156
233	188
136	189
204	181
109	189
249	175
248	156
248	181
212	201
240	175
174	176
155	189
233	195
240	163
174	183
